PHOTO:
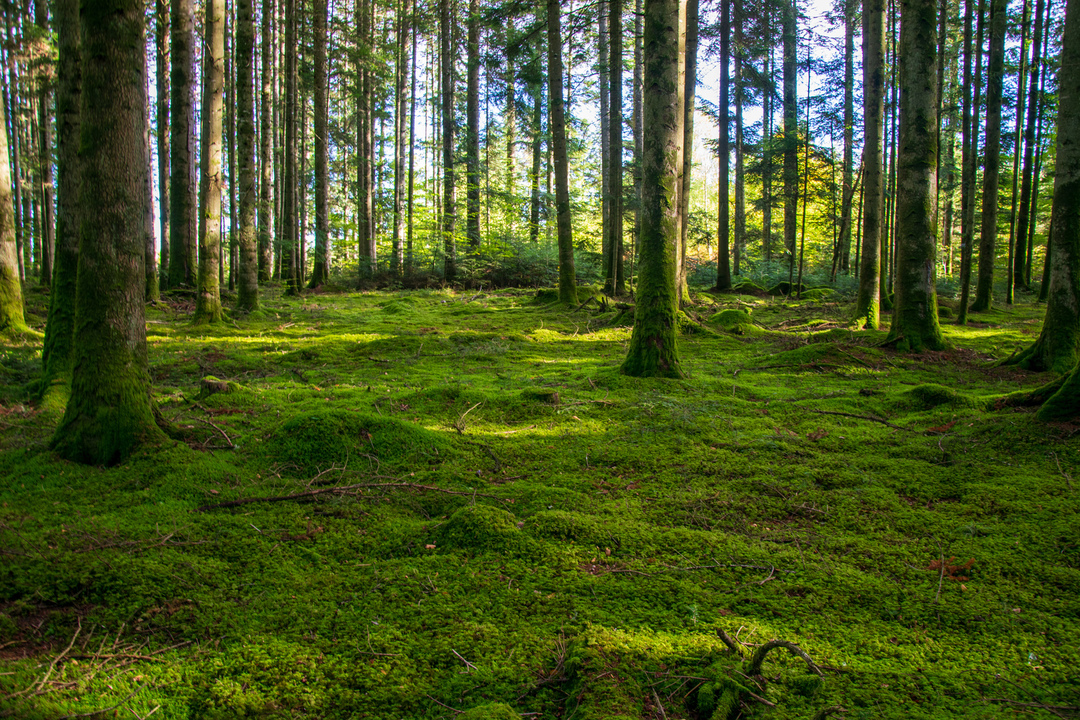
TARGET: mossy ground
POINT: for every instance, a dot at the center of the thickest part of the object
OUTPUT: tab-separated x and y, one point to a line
527	529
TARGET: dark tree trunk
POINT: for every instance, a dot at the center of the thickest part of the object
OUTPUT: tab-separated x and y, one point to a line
47	238
266	136
970	171
109	411
868	308
653	348
791	133
182	207
320	271
723	228
449	213
567	276
247	242
472	138
615	150
1024	228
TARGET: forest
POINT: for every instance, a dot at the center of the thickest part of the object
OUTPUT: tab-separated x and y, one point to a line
489	360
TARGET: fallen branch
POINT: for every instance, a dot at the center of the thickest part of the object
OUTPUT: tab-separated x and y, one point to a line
1067	476
103	710
754	667
871	418
342	490
232	446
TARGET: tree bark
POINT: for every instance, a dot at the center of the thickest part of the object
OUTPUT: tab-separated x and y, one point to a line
12	319
848	189
401	139
449	213
723	228
320	271
791	133
472	139
653	350
208	298
984	289
182	206
109	411
247	242
567	276
915	322
868	307
1024	227
47	237
615	149
266	158
970	171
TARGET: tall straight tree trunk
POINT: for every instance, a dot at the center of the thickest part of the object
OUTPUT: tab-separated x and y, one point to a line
984	289
230	132
109	411
653	350
1058	345
400	137
970	173
615	149
1021	78
449	213
45	124
153	289
603	35
161	39
638	127
567	276
266	143
848	191
534	173
766	152
11	93
208	298
182	207
868	307
688	47
247	275
1024	228
791	133
320	271
12	318
510	120
472	140
915	322
291	181
739	234
723	227
412	152
60	327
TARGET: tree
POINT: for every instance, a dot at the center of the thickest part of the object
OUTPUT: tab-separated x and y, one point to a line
266	212
60	326
915	321
1020	258
290	203
984	288
1058	345
615	147
321	267
46	237
248	274
723	231
161	40
11	300
472	134
109	412
653	350
208	298
868	305
791	130
848	192
970	153
567	276
449	214
182	227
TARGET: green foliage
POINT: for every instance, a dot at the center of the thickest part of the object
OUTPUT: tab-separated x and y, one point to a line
457	538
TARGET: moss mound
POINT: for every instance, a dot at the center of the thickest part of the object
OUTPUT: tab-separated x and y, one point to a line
490	711
932	395
317	441
483	529
731	318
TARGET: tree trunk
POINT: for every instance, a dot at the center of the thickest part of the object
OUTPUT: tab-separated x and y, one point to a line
915	322
1058	345
984	289
45	168
567	276
739	234
615	149
247	242
182	206
767	131
472	139
400	138
848	191
60	327
151	286
320	270
449	213
868	308
208	299
653	348
510	115
638	129
412	153
688	47
109	411
266	136
603	35
161	38
290	204
534	173
1024	227
12	319
1021	78
970	171
723	109
791	133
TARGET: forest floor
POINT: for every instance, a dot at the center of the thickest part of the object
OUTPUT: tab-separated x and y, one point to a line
416	504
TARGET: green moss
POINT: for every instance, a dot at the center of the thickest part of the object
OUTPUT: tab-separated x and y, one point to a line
483	529
490	711
932	395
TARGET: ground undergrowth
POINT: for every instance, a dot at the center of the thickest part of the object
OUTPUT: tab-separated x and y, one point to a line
433	504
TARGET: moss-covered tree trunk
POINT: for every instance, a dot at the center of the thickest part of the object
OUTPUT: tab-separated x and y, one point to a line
109	412
60	327
653	345
208	298
984	286
1058	346
915	320
182	226
248	272
11	300
321	268
557	121
868	306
